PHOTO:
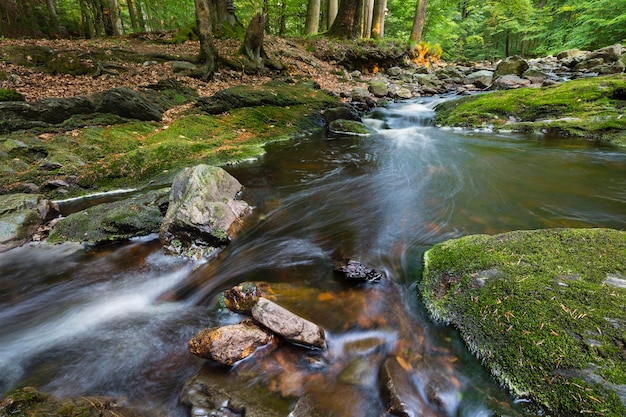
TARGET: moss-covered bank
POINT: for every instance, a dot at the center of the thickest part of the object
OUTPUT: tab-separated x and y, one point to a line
544	309
134	153
591	108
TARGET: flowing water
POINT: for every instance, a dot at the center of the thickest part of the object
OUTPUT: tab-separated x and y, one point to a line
115	320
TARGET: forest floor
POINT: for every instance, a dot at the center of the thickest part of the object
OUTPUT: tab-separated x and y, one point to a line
301	63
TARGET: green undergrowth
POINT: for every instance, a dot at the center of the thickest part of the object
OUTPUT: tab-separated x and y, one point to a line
591	108
135	153
543	309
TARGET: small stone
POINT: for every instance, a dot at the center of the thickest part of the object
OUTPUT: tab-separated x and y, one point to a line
287	324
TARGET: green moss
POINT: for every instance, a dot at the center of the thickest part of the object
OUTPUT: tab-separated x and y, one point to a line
588	107
536	308
9	94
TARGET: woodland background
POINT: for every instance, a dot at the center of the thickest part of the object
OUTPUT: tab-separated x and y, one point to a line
463	29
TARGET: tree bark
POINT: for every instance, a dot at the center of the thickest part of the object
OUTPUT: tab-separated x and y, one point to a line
368	16
333	6
116	18
346	24
208	53
312	24
418	22
223	19
378	23
253	42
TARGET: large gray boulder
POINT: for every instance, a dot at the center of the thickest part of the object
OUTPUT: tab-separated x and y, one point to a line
20	217
509	82
515	65
203	211
127	103
608	54
287	324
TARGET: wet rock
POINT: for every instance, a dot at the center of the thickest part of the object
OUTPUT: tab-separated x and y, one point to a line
343	112
589	63
214	392
306	407
349	128
355	271
120	220
28	401
513	65
509	82
54	184
203	211
481	79
241	298
20	217
15	115
287	324
428	81
401	396
378	88
230	344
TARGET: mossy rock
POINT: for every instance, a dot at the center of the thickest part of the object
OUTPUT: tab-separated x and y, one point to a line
120	220
543	310
592	107
344	127
28	402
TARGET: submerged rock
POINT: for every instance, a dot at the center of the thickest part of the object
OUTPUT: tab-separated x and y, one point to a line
537	306
357	272
287	324
20	217
230	344
401	396
203	211
28	401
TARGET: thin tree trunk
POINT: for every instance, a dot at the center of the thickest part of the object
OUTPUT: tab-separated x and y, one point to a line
208	53
53	16
378	22
312	24
134	22
368	15
141	18
333	6
253	42
282	27
116	18
418	22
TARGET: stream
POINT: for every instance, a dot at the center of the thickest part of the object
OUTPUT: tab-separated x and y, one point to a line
115	320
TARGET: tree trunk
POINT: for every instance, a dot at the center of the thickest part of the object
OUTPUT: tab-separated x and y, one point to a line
253	42
116	18
311	27
208	53
53	16
141	18
333	6
224	21
282	27
378	22
134	22
346	24
418	22
368	15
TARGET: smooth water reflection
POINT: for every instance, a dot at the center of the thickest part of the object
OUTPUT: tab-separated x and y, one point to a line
116	320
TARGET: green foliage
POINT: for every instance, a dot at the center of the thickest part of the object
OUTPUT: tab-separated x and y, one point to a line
9	94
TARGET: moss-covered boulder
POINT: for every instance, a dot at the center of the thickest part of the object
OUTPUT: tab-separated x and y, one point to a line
590	108
544	311
120	220
342	127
